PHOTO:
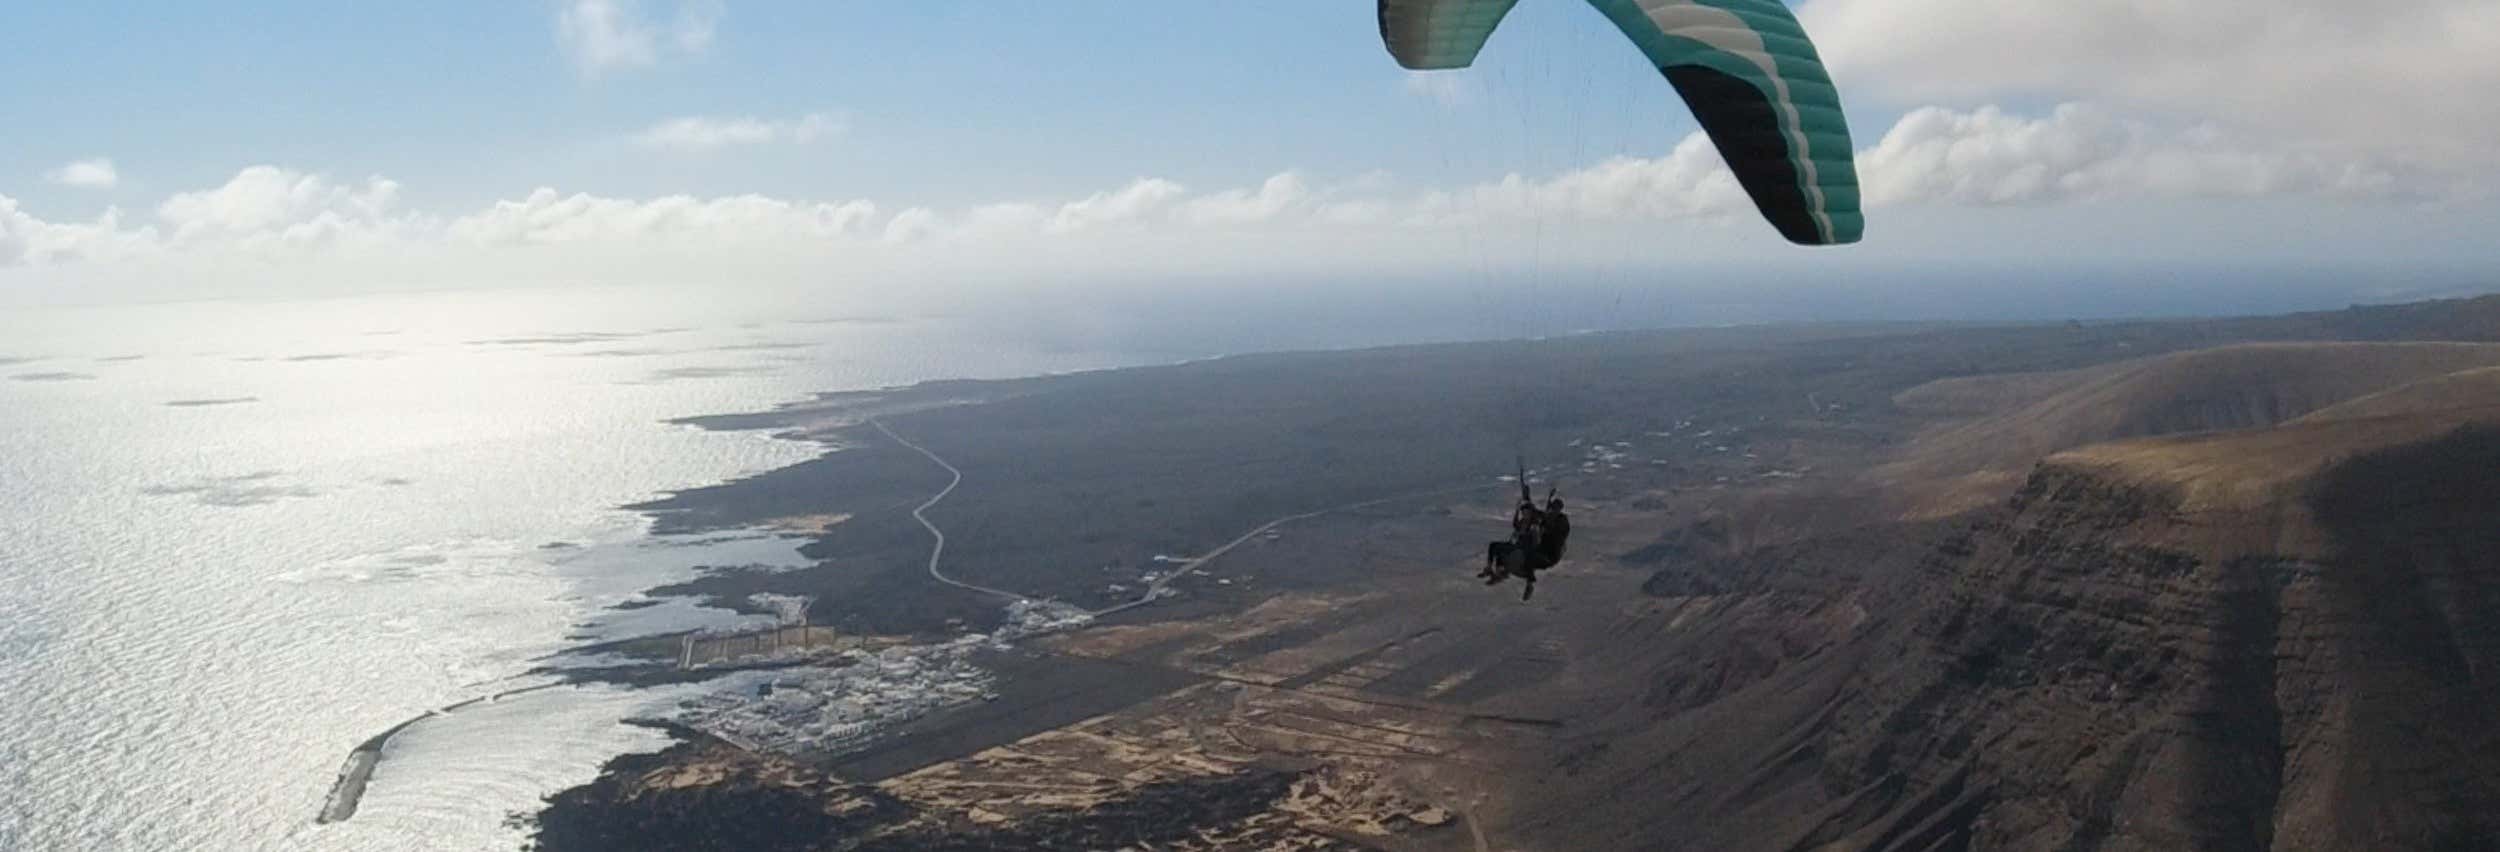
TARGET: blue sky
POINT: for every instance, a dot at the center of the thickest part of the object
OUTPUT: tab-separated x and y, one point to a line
950	101
444	144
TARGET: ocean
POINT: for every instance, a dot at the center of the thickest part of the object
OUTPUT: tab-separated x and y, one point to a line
238	538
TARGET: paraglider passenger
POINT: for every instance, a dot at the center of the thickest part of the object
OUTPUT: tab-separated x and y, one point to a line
1525	553
1553	531
1536	543
1501	557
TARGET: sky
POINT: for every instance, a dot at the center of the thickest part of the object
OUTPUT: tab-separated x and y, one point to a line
881	152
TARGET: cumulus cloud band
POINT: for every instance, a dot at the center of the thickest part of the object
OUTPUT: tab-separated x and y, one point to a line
1980	157
2079	152
2408	79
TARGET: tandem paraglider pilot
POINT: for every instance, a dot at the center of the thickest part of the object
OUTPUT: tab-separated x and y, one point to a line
1537	536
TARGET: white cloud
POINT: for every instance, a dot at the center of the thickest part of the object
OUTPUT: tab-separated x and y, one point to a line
1003	216
2079	152
265	206
547	217
1689	182
2409	77
266	209
1356	212
29	241
601	36
705	133
992	221
1933	157
1139	200
910	225
91	173
1275	197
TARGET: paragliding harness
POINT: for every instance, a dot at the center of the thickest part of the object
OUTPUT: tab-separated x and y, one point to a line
1536	539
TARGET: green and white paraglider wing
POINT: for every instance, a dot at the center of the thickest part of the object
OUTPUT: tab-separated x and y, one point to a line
1429	35
1754	81
1746	69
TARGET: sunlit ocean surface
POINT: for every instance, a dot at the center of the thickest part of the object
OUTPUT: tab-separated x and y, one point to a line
236	539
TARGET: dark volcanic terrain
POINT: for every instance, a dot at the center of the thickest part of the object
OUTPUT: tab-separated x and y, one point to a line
2220	584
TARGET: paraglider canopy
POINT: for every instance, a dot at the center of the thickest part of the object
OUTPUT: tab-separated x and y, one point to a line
1745	68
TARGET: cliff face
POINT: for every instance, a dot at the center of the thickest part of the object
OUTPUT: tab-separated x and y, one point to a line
2279	639
2108	667
1976	461
2404	625
2083	682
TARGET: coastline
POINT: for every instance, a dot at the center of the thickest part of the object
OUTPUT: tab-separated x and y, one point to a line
349	791
1076	487
356	771
1335	645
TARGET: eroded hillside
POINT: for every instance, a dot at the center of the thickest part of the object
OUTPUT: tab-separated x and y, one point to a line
2278	637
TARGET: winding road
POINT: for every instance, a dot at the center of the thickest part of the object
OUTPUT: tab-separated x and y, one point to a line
1155	589
1191	565
938	550
1194	564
